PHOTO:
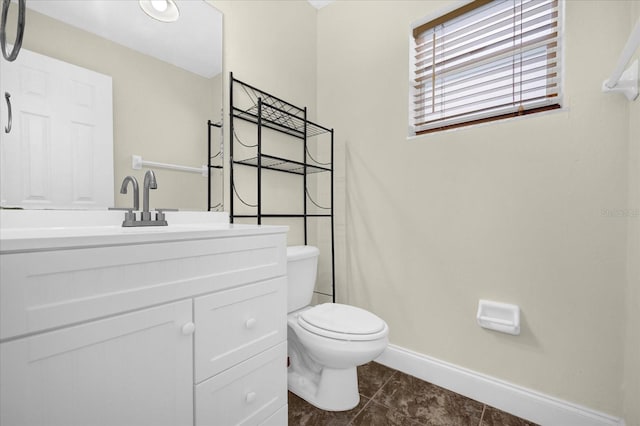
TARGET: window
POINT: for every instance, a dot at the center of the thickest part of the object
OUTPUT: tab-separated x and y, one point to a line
486	60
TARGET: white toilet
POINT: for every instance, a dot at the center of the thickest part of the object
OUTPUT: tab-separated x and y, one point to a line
326	342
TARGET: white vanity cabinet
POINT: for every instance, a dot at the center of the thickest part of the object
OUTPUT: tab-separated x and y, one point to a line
182	329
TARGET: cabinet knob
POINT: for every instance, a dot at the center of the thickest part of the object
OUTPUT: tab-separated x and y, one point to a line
250	323
188	328
251	396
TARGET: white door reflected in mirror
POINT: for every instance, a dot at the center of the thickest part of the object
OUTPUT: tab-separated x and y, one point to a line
59	152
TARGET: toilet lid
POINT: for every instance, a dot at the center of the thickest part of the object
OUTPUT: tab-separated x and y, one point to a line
343	322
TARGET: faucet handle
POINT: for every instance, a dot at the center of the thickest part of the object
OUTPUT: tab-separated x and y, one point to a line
160	213
129	218
130	215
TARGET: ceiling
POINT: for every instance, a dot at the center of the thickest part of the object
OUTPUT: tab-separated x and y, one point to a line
125	23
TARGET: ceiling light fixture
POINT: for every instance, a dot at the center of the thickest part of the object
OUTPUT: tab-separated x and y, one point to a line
162	10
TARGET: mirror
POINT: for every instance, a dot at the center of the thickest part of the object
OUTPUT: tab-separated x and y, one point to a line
166	86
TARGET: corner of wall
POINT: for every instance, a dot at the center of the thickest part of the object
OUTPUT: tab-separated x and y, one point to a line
631	383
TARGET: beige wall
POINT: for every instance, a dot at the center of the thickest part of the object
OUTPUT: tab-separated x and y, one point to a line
631	384
513	211
272	46
159	111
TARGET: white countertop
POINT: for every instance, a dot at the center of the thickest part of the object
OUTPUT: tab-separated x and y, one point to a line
38	230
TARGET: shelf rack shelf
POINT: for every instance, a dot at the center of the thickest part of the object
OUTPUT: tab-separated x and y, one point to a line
266	111
283	165
274	113
280	120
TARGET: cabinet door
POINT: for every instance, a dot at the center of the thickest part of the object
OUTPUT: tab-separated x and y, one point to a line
132	369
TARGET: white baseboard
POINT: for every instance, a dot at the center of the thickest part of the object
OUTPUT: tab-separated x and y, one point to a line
522	402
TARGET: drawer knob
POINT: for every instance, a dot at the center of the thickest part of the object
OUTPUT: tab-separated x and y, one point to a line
188	328
251	396
250	323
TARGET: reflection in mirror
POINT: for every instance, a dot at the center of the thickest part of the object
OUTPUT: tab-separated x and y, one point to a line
166	85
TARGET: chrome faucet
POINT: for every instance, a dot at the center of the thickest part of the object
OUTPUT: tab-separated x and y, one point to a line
136	192
145	217
149	183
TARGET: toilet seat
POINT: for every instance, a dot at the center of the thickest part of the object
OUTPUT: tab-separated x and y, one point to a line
342	322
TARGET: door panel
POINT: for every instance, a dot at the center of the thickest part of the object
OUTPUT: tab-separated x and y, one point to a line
59	153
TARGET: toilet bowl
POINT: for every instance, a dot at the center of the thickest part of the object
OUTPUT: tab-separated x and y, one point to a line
326	342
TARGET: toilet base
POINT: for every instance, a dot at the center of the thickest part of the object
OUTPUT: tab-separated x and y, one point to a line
336	389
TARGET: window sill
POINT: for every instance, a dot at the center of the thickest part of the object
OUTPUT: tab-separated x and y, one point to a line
471	127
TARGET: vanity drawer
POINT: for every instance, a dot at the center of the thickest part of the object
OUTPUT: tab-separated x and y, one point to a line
50	289
248	394
236	324
279	418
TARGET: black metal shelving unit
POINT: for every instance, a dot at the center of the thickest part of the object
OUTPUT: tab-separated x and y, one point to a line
218	158
270	112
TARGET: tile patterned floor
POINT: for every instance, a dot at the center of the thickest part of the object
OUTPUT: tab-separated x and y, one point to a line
389	397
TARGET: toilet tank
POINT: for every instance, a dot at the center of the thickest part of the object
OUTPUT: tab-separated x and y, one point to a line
302	268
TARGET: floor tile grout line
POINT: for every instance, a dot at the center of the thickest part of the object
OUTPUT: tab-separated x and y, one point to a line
484	408
372	396
358	413
395	373
383	385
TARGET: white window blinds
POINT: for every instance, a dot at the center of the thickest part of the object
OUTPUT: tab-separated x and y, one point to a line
485	61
